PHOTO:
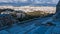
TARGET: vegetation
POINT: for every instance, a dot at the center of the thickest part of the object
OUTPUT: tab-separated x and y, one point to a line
32	15
37	13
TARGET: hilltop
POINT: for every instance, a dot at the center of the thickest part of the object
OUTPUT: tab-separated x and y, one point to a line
46	9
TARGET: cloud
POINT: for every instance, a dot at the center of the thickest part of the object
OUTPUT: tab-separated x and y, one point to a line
45	1
48	2
6	1
33	1
38	2
23	0
13	1
55	1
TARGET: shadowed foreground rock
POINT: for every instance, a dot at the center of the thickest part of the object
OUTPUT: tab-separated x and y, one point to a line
57	14
6	20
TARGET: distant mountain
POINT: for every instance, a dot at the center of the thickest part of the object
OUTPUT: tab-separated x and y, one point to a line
26	4
14	4
45	5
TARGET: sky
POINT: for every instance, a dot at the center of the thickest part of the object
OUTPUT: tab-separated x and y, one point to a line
31	1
